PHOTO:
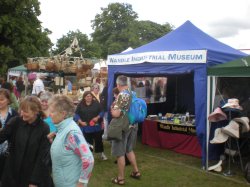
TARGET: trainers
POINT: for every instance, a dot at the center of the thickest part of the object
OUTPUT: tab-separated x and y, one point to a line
103	157
104	137
91	147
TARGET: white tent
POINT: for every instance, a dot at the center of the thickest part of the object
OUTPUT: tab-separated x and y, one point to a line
127	50
100	64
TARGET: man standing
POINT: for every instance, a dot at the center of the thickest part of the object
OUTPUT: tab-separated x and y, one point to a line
38	85
126	145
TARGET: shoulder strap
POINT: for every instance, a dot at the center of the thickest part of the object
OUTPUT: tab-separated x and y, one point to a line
130	97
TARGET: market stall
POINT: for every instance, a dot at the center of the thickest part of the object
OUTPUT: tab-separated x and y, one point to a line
174	132
79	71
235	77
186	50
17	71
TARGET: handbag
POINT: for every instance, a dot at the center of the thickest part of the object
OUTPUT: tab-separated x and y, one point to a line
4	147
116	127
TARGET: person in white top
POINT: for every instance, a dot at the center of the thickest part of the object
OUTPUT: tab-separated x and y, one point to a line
38	86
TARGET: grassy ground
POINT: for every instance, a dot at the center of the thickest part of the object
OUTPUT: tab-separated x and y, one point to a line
163	168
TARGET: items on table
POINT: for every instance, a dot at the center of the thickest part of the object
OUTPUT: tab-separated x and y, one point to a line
176	119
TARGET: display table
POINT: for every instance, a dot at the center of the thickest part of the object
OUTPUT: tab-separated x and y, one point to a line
156	134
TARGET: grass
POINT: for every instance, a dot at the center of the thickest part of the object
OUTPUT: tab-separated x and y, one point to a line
162	168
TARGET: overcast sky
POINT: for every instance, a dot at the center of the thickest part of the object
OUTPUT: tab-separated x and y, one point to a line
226	20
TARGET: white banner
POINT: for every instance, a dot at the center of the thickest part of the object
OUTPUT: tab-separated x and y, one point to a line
16	73
191	56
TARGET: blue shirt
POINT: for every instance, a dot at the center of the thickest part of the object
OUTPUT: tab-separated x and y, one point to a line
69	86
50	123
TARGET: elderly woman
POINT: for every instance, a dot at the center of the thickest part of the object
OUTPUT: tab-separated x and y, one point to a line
89	116
72	160
44	98
27	135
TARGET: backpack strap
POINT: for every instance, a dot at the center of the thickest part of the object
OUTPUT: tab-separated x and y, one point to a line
130	97
130	102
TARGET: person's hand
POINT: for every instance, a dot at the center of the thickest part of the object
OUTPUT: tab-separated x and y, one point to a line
95	119
82	123
32	185
79	184
115	113
51	136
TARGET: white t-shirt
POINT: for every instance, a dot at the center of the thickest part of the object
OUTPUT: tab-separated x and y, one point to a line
38	87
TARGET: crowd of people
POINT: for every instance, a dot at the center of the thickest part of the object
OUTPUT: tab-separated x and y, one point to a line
46	140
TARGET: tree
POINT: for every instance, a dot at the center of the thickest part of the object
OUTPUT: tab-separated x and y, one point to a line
143	32
117	28
110	25
21	33
87	48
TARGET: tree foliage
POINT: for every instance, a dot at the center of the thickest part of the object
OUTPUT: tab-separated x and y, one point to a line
143	32
21	33
111	25
117	28
88	49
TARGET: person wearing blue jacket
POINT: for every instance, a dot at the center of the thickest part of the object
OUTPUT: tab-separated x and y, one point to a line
72	159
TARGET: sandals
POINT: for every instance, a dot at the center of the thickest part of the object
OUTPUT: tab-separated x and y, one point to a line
118	181
135	175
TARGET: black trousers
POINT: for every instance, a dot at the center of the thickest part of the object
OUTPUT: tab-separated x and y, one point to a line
95	139
2	163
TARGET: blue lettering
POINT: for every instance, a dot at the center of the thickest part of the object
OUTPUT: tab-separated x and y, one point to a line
139	58
119	60
157	57
184	57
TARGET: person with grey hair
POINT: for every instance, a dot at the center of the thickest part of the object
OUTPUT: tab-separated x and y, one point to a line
72	160
44	98
125	146
95	90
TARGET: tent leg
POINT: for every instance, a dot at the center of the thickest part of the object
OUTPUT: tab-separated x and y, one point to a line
211	85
